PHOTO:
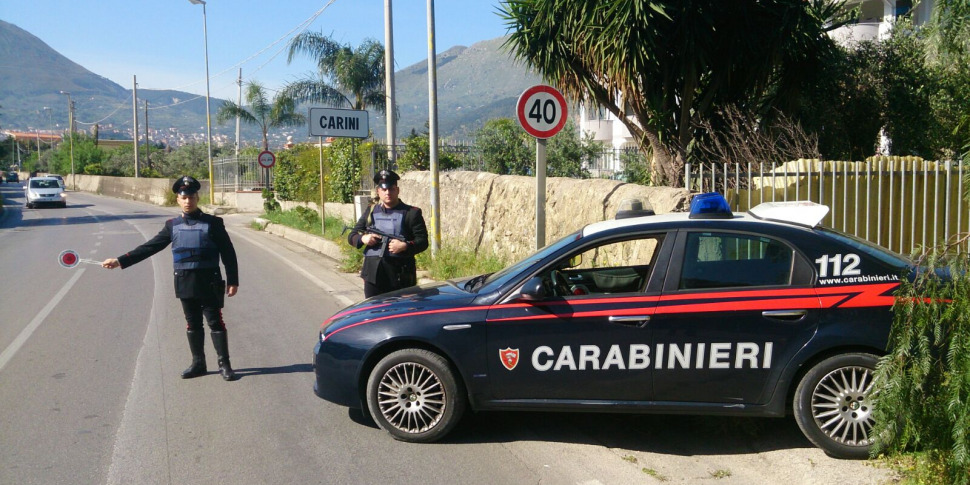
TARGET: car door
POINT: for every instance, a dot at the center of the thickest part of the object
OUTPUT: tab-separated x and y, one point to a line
584	341
734	310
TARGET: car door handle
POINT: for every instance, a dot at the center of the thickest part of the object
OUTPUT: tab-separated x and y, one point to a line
635	320
785	314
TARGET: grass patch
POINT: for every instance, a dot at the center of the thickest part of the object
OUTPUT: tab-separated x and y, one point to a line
718	474
655	474
920	468
630	458
456	262
450	261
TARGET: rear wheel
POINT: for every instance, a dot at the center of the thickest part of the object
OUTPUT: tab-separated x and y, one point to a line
833	405
413	395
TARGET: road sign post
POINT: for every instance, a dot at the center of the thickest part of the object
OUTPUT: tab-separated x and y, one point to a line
542	112
266	160
336	123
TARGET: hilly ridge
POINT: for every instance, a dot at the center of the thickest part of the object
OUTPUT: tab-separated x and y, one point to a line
475	83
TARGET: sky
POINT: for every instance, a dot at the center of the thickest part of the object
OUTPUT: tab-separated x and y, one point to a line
162	43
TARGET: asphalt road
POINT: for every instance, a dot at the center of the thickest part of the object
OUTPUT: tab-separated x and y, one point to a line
90	390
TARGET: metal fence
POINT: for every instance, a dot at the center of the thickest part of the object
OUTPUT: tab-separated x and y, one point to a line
240	174
901	203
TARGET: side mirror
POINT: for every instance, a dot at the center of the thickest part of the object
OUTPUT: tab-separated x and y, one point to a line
533	290
576	260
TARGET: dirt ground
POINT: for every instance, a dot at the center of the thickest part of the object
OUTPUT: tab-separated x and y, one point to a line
623	448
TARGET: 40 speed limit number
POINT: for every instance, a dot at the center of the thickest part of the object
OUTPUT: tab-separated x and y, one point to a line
541	110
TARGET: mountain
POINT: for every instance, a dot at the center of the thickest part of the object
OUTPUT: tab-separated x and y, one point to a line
33	75
475	84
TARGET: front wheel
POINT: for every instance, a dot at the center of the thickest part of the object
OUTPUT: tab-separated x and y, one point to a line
833	405
413	395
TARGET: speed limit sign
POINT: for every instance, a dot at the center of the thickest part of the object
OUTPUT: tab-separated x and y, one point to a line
541	111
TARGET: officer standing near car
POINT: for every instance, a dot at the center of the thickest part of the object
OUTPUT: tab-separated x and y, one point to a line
198	241
394	268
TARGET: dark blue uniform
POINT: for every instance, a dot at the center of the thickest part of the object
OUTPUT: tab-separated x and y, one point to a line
199	241
388	272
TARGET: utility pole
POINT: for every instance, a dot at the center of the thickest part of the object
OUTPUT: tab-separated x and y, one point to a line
238	103
70	106
433	133
134	117
389	82
148	145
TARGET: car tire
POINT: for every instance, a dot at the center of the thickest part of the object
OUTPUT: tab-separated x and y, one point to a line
414	395
833	405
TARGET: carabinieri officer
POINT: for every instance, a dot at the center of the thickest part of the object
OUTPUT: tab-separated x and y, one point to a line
394	268
198	241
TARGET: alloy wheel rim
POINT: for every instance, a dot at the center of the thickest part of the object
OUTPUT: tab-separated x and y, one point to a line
411	397
842	405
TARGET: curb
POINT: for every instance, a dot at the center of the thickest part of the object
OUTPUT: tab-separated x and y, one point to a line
324	246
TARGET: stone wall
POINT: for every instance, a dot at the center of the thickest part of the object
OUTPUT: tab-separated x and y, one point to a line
479	210
151	190
488	211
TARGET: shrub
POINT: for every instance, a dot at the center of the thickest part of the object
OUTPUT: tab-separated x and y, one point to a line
923	384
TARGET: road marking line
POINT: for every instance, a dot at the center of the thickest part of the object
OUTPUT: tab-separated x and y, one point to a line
25	334
309	276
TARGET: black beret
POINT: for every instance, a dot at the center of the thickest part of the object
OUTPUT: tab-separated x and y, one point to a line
386	179
186	186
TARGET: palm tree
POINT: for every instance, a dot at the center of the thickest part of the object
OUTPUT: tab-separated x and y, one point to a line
282	111
346	77
661	66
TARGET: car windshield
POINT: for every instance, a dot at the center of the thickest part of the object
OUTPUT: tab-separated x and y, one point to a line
44	184
499	278
878	252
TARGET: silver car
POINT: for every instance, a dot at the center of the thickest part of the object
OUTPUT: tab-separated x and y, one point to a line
45	191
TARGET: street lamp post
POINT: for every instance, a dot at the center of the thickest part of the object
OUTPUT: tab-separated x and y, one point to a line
50	124
208	117
70	105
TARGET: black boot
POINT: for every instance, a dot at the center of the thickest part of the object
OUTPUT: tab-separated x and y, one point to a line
197	346
221	342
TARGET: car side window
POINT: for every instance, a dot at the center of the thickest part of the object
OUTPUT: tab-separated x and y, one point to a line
726	260
613	267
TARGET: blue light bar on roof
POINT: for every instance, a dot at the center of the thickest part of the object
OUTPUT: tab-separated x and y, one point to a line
711	205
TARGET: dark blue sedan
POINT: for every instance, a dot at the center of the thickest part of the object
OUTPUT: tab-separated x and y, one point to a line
757	314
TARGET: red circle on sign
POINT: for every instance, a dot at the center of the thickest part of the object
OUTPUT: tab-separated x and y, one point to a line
541	110
69	259
266	159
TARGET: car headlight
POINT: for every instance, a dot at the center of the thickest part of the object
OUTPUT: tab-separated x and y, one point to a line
63	195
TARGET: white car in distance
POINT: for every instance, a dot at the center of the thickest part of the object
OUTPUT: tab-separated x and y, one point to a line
44	191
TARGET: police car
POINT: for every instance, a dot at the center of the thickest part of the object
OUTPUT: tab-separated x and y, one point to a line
757	314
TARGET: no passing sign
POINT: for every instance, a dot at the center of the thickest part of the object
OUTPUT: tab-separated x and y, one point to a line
266	159
541	110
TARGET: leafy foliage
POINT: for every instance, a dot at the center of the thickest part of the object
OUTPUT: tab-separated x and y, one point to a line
923	384
262	113
568	155
636	167
662	65
343	72
417	155
343	180
269	201
297	176
505	147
